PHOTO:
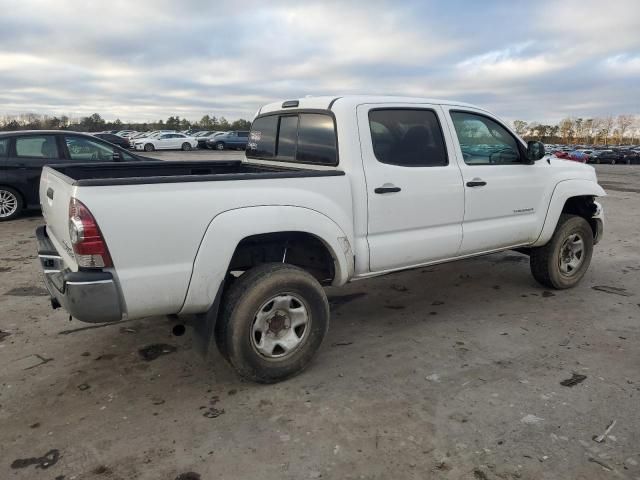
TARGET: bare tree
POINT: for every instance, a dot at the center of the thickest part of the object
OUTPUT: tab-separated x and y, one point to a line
606	127
566	129
520	127
623	122
588	129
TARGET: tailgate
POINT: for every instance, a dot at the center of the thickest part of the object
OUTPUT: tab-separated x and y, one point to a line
55	193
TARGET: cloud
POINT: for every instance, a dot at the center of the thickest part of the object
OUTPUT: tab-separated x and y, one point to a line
146	60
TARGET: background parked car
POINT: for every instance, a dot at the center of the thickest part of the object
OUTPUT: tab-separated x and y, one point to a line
578	156
24	153
115	139
203	137
152	134
235	139
605	156
166	141
126	133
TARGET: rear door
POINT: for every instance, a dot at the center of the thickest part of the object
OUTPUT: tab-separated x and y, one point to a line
414	189
29	154
178	140
232	139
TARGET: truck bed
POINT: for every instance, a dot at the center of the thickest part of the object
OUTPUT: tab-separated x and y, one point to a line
130	173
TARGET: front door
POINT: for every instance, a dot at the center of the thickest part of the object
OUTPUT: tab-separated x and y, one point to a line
414	189
505	196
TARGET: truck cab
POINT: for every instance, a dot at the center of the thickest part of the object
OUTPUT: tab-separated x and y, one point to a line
332	190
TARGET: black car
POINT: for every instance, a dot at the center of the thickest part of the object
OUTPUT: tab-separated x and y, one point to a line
605	156
115	139
24	153
203	137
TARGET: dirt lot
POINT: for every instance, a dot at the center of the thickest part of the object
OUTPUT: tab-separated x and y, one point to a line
447	372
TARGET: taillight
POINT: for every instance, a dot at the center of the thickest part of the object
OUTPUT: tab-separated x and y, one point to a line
86	239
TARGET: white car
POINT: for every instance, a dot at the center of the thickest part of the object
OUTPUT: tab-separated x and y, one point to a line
166	141
244	248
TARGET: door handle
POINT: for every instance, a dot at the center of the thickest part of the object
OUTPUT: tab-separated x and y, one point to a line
476	182
50	193
388	189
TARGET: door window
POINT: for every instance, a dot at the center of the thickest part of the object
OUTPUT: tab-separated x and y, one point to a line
86	150
407	137
484	141
37	146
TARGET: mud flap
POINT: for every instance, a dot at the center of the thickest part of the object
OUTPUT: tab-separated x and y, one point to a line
204	326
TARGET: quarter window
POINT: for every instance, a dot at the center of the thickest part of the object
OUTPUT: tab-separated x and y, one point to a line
407	138
37	146
484	141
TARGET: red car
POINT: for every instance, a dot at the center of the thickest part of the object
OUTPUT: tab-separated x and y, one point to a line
575	156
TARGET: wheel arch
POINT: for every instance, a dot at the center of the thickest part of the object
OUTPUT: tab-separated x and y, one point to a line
23	197
247	231
575	197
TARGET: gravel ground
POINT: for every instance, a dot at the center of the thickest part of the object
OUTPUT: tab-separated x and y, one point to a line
445	372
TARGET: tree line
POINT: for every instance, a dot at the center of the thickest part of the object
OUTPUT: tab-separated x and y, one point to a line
95	123
621	130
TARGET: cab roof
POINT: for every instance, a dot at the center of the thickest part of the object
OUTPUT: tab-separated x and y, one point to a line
327	102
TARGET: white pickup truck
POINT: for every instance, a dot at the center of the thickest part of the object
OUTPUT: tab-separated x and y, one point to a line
332	190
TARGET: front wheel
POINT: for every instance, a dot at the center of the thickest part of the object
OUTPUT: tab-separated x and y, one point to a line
10	204
273	320
219	146
149	147
563	261
186	146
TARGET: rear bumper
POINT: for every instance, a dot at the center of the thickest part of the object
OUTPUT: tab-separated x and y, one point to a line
89	296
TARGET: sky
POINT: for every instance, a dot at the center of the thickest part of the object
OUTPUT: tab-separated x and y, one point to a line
145	60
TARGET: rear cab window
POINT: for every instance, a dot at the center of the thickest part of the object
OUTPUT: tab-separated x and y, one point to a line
299	137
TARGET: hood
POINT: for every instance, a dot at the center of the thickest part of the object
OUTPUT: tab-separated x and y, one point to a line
571	169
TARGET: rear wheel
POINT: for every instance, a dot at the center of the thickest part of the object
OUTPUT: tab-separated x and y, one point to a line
563	261
149	147
273	321
186	146
11	204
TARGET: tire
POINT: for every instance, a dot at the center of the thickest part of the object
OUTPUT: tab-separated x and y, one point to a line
251	306
219	146
11	204
186	146
551	264
149	147
613	161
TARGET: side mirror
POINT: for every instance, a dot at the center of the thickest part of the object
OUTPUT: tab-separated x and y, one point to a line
535	150
117	157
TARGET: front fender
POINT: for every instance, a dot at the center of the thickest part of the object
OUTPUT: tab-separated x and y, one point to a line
229	228
563	191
